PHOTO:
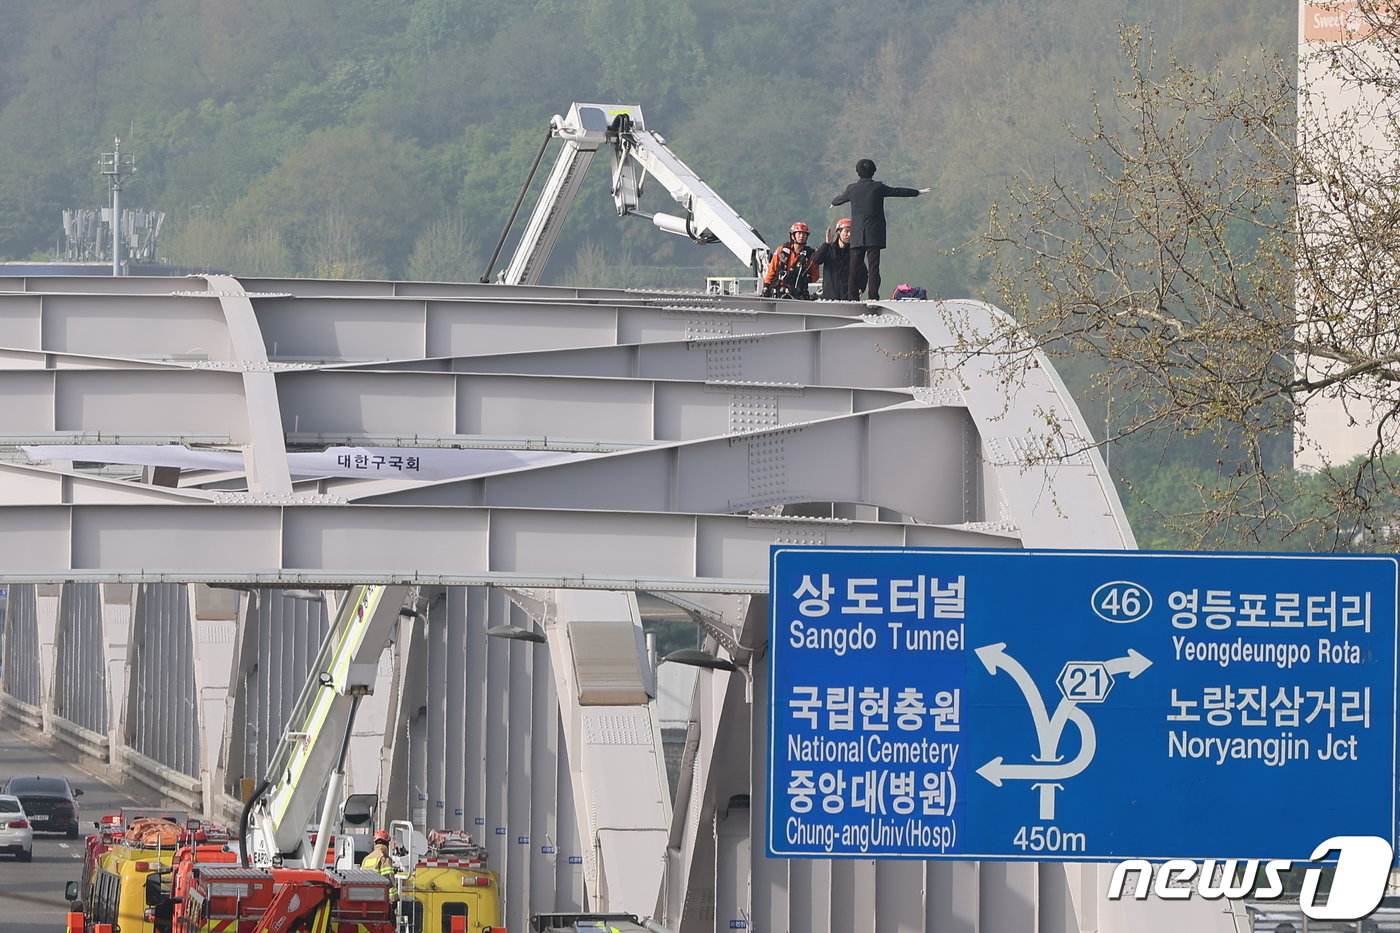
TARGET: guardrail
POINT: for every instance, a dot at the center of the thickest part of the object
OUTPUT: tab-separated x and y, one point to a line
25	714
85	741
173	785
166	781
226	809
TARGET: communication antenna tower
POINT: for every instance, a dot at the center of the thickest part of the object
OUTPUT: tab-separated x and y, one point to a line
116	166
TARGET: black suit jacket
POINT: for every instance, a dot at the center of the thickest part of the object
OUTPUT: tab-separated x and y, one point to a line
867	200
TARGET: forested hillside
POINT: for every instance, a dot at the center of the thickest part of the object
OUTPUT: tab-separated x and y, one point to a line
389	138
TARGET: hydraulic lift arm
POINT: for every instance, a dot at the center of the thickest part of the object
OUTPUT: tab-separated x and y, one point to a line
311	756
636	153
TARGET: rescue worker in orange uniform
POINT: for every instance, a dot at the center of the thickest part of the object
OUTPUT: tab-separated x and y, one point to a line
792	267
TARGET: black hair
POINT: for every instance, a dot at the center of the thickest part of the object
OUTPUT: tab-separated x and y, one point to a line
865	168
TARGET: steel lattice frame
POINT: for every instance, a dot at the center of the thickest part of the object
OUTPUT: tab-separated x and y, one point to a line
610	453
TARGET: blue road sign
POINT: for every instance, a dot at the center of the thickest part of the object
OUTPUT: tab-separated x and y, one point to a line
1071	705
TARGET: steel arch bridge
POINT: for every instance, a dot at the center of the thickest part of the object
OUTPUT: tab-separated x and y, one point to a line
194	469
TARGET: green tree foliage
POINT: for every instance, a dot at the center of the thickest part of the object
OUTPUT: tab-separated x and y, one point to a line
990	100
645	48
337	188
445	251
434	25
215	97
337	250
16	23
206	243
766	180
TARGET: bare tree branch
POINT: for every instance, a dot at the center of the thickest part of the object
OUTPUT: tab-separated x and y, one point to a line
1228	256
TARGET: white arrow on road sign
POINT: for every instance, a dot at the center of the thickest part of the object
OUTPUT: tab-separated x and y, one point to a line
1047	767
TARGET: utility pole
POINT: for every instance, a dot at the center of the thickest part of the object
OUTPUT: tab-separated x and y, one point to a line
114	165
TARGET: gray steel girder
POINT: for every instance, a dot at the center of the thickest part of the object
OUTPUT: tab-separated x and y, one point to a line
714	428
334	544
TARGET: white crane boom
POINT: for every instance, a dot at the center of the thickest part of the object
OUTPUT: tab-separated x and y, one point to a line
636	153
311	756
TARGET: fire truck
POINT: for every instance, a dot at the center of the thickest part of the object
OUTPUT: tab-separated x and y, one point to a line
128	861
447	887
234	899
152	874
294	870
437	878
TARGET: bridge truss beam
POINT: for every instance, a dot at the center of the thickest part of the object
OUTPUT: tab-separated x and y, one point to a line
194	467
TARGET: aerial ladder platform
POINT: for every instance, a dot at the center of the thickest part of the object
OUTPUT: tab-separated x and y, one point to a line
310	760
636	153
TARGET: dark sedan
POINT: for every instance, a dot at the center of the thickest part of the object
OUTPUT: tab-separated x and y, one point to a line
51	802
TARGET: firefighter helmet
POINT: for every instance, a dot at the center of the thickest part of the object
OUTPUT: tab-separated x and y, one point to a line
381	837
799	227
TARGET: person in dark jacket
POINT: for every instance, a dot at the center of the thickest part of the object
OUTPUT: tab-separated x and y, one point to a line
867	199
834	257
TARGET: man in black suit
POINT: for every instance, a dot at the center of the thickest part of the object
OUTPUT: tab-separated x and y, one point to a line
867	199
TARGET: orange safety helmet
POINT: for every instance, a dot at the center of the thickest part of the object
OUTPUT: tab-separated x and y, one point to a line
843	222
382	836
799	227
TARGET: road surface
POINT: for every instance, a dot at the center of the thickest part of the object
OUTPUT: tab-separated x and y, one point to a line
31	893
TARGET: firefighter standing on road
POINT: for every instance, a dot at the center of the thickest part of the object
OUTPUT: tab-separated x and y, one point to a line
791	269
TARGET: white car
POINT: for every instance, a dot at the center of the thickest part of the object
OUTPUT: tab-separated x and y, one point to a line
16	835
